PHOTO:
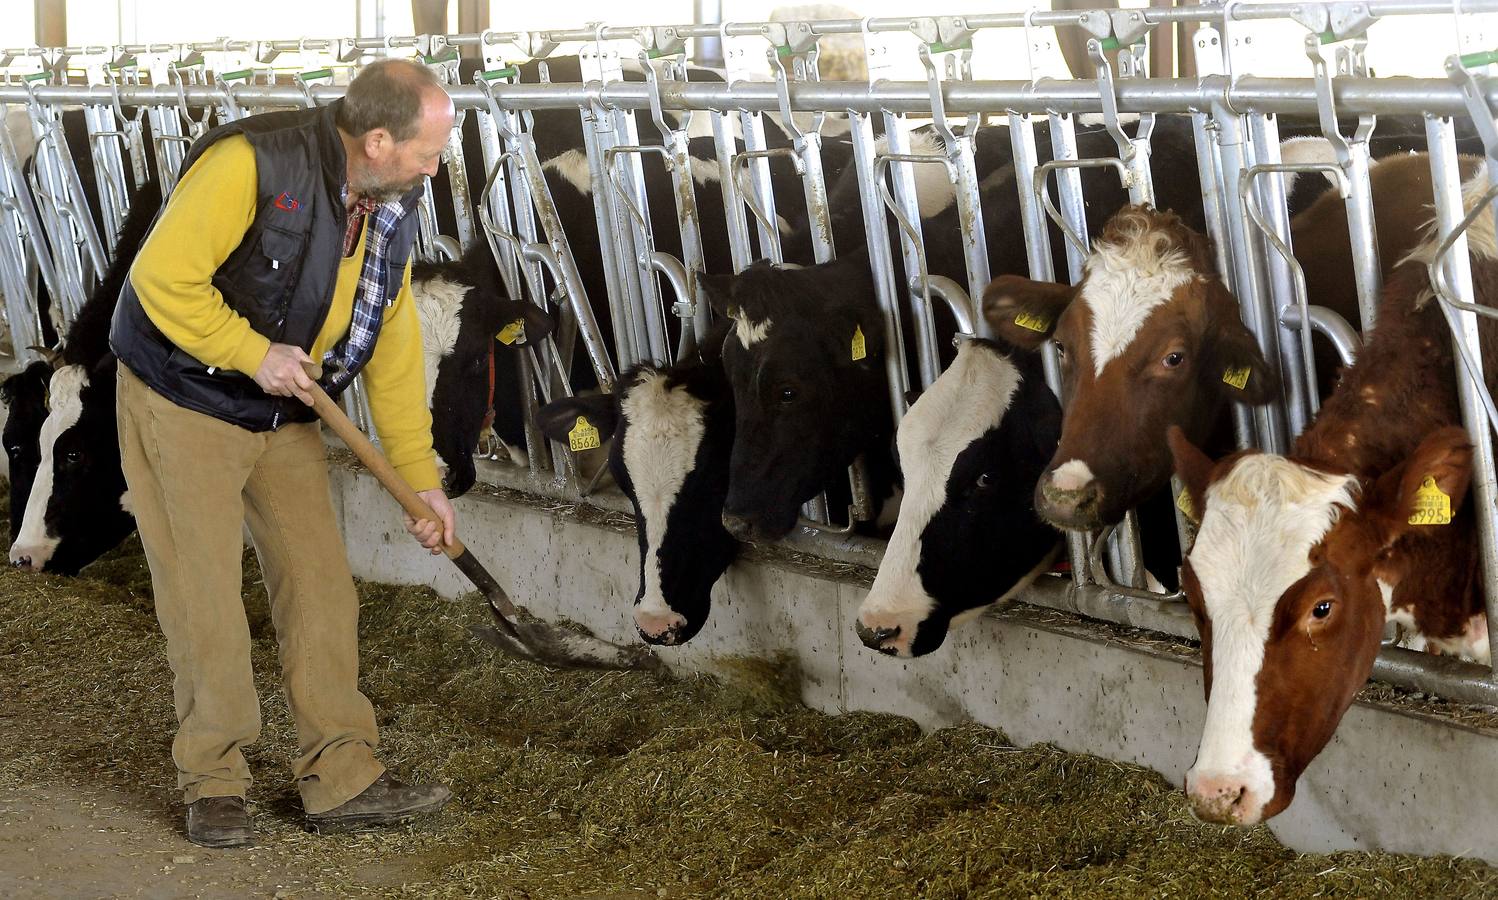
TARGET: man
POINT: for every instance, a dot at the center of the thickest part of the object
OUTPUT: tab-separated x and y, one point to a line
287	240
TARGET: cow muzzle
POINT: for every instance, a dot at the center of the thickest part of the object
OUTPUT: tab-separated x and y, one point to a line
885	639
664	629
1069	497
30	557
1225	799
745	529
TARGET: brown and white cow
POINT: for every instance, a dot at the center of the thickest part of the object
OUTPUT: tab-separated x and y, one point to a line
1155	340
1301	560
1156	333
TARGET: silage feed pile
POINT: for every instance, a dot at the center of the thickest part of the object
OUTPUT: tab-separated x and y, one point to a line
630	785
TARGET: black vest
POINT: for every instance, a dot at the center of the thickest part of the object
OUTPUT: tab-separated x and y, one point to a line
280	277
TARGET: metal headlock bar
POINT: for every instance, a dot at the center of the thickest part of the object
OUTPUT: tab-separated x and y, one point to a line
165	96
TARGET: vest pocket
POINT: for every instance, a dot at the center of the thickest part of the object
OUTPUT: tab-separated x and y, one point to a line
266	274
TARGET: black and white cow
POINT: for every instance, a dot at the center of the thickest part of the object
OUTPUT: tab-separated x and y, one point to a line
471	331
971	449
25	397
75	507
672	431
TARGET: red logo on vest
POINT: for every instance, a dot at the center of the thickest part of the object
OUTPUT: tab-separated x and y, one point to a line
288	202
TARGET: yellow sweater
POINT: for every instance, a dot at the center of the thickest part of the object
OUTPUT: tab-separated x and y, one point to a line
205	220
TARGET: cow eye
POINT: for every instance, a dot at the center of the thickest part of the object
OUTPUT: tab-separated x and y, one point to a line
1060	349
13	451
1174	359
985	480
1322	609
787	395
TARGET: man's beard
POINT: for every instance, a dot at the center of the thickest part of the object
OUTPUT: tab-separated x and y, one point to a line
380	191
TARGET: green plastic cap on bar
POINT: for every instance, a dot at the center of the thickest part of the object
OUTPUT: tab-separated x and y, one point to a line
506	72
317	73
1110	43
37	76
449	56
236	75
1480	58
943	47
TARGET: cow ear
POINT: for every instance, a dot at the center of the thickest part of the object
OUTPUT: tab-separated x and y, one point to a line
1425	491
719	291
1194	468
559	419
1234	364
1024	312
518	315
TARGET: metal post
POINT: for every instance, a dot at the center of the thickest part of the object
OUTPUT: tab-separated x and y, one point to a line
1447	187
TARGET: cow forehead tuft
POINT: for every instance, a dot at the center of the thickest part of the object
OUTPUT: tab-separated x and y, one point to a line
1258	528
67	385
1127	278
1267	481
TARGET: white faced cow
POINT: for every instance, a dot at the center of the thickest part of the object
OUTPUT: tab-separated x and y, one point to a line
1301	560
74	507
672	430
970	450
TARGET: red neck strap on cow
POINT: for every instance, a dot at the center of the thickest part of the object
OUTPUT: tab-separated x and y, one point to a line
489	403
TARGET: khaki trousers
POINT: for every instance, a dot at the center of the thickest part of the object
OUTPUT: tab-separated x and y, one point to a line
193	480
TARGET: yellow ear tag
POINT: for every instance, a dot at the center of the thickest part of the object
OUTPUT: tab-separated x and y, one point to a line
860	350
515	331
1238	378
583	436
1032	322
1187	508
1432	505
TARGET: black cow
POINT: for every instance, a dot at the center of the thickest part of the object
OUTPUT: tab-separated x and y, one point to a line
805	360
970	449
672	431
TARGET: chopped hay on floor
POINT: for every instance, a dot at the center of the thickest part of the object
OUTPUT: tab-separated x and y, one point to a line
627	784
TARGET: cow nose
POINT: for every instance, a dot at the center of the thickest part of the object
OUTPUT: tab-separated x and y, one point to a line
874	638
21	562
1068	501
738	526
661	629
1221	799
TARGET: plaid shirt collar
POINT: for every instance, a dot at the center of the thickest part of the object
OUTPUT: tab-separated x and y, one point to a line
363	206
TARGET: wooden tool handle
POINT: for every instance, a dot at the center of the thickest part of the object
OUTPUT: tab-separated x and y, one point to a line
376	462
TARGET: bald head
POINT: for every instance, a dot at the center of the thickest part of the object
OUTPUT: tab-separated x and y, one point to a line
395	121
393	94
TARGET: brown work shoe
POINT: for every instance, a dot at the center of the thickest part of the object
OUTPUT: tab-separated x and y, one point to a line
219	822
386	802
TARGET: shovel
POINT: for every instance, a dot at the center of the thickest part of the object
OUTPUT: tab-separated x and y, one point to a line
536	642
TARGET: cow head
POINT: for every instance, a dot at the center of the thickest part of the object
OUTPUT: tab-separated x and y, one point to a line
468	326
78	507
672	432
1287	583
805	362
970	450
1154	341
26	402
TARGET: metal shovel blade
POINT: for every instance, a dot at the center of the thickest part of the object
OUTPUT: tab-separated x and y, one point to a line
533	641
